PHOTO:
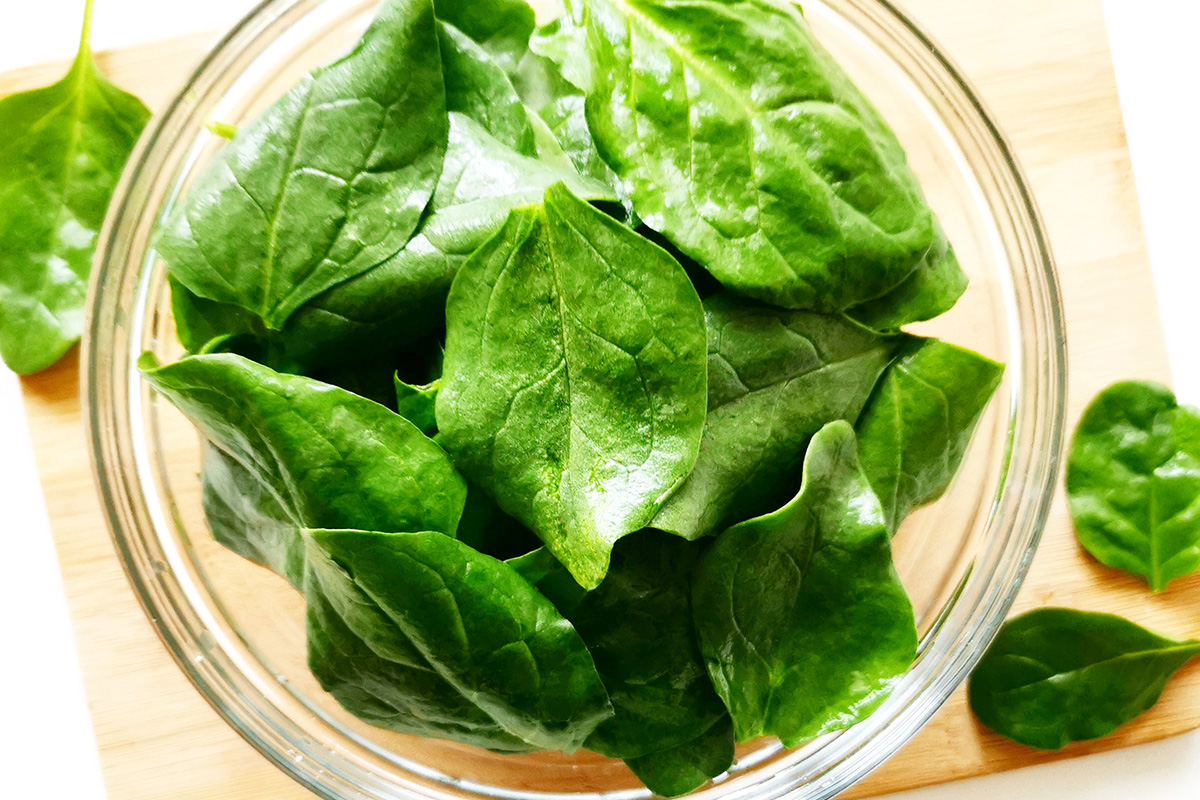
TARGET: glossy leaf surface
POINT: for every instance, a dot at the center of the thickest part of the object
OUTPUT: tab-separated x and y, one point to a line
802	619
689	766
915	429
61	152
1055	676
775	377
747	146
580	405
1133	482
482	628
330	181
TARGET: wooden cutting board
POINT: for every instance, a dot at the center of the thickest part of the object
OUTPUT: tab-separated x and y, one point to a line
1044	70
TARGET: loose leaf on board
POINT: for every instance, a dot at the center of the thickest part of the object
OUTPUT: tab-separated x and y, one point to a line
580	407
62	150
802	619
1055	675
915	429
775	377
745	144
1133	482
331	458
330	181
477	623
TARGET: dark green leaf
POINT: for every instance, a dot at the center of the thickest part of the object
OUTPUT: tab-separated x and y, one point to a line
1133	482
481	627
774	378
932	288
689	766
748	147
916	427
802	619
638	627
61	152
327	183
331	458
1055	676
361	657
580	406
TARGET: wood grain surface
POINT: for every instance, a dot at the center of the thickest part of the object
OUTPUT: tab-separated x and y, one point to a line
1044	70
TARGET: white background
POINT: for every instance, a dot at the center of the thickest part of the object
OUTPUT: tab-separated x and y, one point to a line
45	735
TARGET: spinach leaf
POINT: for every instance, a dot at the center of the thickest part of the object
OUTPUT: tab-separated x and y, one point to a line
327	183
481	627
775	377
638	626
415	404
331	458
932	288
687	767
501	27
1133	482
477	87
362	658
565	118
746	145
580	407
802	619
1055	675
916	427
63	148
246	517
403	299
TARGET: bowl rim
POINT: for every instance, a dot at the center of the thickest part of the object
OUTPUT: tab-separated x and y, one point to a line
847	758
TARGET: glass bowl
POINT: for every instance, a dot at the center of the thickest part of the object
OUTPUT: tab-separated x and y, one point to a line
238	631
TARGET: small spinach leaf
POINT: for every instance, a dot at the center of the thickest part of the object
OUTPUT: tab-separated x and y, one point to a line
63	148
775	377
1055	675
746	145
327	183
481	627
580	407
330	457
1133	482
802	619
916	427
687	767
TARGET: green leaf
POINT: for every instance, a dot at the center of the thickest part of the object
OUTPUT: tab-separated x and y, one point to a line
638	626
327	183
775	378
362	658
1055	676
331	458
747	146
565	118
932	288
63	148
683	769
415	404
802	619
916	427
501	27
403	299
246	517
579	406
477	87
1133	482
481	627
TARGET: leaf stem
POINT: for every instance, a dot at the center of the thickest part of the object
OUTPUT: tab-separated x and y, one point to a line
85	37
